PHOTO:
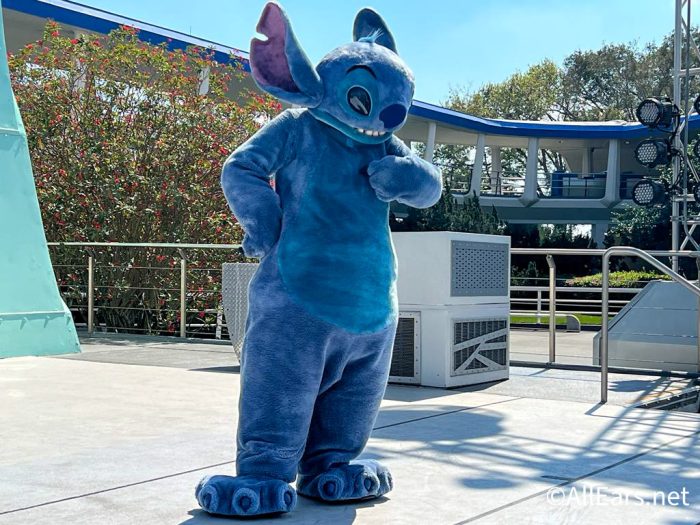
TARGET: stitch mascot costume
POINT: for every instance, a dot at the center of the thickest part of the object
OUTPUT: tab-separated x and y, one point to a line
323	307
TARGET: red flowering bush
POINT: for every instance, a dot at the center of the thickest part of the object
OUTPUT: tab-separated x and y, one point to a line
126	147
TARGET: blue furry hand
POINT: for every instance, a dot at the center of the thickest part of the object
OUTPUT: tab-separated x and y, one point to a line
262	235
409	180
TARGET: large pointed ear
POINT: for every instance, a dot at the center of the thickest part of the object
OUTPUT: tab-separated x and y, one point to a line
279	64
370	27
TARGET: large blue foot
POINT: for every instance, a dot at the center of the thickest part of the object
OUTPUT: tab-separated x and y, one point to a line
365	479
244	495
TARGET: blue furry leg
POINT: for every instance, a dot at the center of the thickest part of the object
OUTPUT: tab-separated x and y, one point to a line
363	479
244	496
344	415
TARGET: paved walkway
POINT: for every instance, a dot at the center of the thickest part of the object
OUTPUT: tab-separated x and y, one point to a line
122	433
533	345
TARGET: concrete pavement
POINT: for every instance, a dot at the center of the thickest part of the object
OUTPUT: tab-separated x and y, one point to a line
121	435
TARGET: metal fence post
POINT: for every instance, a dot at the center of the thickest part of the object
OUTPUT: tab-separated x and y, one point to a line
183	295
91	295
552	308
603	351
539	306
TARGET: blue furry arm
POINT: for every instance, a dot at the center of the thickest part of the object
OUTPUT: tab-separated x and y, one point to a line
404	177
245	179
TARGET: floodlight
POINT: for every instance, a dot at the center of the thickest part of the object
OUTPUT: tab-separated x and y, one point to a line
653	152
648	192
654	112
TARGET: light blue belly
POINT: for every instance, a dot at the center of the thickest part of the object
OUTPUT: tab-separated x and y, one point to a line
335	255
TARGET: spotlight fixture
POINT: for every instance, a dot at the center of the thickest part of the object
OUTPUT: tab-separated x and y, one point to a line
653	152
648	192
655	113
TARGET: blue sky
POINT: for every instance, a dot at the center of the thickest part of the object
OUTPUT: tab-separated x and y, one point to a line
446	42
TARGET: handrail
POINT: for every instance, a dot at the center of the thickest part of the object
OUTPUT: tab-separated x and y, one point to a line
514	251
647	257
597	251
175	245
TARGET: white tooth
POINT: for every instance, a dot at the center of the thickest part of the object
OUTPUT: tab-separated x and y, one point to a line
376	133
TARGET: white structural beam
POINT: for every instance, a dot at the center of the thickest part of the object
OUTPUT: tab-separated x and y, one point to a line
586	162
478	169
430	143
496	168
612	178
598	231
529	195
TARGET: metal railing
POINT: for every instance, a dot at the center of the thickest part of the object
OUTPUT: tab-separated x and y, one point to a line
577	306
502	183
181	249
549	254
648	258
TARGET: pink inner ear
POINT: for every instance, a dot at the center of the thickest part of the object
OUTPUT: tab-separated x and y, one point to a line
268	60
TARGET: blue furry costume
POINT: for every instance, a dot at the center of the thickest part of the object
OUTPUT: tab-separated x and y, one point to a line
323	308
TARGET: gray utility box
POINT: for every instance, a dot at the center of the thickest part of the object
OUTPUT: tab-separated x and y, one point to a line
658	330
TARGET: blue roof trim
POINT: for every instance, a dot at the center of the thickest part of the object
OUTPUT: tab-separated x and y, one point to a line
564	130
89	18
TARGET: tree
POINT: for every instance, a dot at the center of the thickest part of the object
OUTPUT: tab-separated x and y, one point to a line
609	83
126	148
529	95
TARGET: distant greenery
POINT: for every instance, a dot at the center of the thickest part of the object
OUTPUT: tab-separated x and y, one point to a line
627	279
585	319
449	215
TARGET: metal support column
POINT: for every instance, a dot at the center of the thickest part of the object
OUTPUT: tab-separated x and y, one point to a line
552	308
183	295
91	295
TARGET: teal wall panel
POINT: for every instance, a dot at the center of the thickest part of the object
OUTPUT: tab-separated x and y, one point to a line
33	318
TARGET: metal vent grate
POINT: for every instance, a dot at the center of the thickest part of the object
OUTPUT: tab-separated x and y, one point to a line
480	346
479	269
234	284
405	358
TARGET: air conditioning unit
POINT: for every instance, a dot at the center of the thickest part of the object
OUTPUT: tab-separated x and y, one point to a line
235	279
454	301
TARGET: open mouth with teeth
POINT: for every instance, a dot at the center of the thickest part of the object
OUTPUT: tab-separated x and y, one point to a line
370	132
362	135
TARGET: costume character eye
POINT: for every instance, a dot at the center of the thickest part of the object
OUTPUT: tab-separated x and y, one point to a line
360	100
